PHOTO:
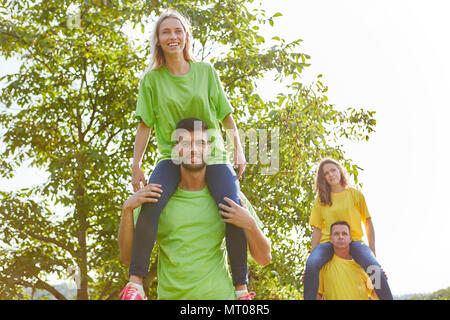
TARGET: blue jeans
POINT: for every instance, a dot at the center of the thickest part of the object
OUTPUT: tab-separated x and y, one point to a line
222	182
360	252
316	260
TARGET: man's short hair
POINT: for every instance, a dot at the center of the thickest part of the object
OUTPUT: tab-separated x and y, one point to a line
344	223
190	124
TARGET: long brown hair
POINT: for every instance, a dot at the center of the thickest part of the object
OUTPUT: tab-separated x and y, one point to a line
321	186
157	59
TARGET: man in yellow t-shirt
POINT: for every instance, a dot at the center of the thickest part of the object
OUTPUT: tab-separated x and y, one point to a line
342	278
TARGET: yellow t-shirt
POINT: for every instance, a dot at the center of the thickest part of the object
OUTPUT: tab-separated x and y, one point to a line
348	205
342	279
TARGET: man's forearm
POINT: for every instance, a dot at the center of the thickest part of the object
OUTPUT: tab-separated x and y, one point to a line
259	245
126	234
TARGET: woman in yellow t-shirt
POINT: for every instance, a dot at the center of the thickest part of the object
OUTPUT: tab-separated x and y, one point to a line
337	201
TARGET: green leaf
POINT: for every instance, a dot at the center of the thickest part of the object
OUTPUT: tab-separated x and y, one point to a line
69	111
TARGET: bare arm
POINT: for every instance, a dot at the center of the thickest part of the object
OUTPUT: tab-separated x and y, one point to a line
140	144
232	131
149	193
370	231
126	233
315	238
258	243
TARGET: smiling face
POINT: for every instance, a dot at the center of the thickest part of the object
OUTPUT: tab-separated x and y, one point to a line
172	36
332	174
193	149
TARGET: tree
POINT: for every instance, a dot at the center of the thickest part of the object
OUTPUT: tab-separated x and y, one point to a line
69	111
442	294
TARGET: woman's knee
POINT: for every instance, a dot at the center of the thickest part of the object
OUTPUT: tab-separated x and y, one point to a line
319	256
222	182
362	254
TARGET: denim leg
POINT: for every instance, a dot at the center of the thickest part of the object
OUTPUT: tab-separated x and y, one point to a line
167	174
223	182
362	254
316	260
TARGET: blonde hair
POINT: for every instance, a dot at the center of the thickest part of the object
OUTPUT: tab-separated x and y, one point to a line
321	186
157	59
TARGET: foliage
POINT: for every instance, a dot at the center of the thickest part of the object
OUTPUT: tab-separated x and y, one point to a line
442	294
69	111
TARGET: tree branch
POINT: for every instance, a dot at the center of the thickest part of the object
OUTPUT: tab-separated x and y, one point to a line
49	240
94	104
45	286
105	289
28	46
39	285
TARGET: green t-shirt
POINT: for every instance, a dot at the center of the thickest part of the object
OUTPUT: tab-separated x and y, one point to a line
192	258
165	99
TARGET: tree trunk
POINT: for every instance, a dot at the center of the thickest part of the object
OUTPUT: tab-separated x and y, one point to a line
81	210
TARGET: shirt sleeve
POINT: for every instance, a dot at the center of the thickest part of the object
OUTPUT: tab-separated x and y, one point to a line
316	215
144	108
221	103
362	206
251	210
136	213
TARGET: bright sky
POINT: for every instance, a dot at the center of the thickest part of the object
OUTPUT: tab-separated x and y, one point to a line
392	57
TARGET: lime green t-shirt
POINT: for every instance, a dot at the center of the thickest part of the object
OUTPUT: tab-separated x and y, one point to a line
349	205
192	258
164	99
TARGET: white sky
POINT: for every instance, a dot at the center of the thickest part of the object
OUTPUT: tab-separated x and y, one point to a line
392	57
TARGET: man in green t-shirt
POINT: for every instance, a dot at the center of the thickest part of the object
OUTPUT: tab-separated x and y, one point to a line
192	262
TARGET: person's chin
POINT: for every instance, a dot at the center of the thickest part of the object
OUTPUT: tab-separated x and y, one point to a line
193	166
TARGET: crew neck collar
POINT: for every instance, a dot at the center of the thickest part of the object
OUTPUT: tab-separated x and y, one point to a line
164	68
204	190
339	193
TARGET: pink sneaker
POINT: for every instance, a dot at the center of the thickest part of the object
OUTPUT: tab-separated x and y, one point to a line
130	292
247	296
